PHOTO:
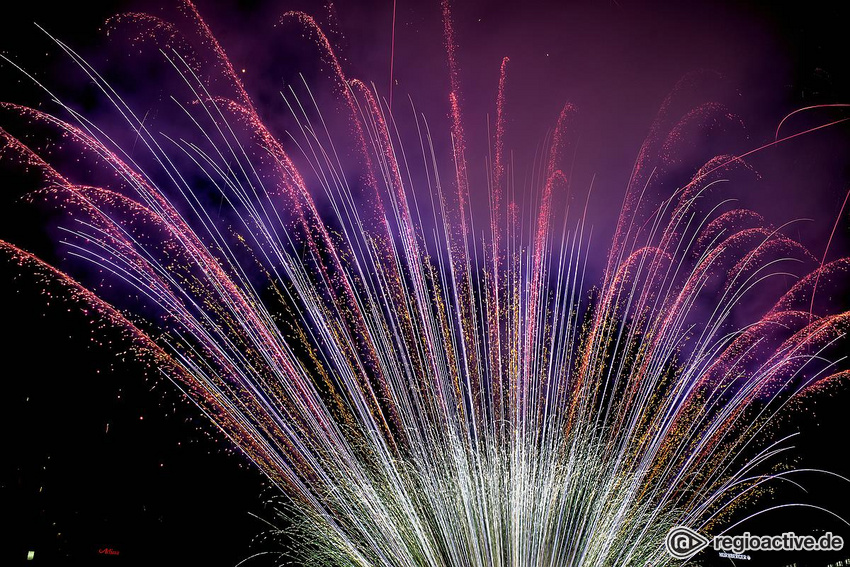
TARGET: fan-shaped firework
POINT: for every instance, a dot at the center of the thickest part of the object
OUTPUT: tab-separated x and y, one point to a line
429	384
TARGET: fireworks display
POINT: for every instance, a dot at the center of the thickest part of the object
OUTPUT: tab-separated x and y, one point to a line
434	365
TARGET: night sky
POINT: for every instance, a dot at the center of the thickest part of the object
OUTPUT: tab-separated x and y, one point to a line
100	454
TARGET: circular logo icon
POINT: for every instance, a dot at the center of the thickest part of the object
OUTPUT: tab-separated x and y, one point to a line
683	542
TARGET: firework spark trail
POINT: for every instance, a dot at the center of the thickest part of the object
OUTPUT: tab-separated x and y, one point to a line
424	395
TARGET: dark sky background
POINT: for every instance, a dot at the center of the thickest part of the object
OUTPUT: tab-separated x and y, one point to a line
99	455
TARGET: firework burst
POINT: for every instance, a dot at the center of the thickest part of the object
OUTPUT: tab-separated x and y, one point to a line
429	384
